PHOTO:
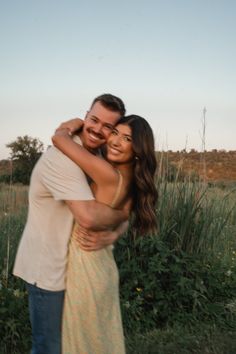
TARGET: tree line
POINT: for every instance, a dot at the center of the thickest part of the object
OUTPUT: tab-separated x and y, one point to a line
25	152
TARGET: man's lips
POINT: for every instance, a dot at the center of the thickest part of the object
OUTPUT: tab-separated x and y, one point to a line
95	137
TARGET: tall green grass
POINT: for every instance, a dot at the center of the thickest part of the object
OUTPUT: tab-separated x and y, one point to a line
183	274
13	209
186	272
14	319
194	218
12	198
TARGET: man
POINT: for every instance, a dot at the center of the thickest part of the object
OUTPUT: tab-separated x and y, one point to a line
59	193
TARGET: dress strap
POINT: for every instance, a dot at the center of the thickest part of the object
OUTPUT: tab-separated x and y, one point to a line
118	190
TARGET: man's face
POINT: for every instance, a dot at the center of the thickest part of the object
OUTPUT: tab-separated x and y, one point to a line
98	125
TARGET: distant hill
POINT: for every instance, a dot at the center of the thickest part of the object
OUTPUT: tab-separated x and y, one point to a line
216	165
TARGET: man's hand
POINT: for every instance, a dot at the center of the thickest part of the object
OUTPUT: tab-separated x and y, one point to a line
71	125
96	240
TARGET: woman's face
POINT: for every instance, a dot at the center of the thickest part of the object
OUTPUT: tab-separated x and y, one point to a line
119	144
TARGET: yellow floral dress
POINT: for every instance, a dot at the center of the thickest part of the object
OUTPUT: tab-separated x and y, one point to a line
92	321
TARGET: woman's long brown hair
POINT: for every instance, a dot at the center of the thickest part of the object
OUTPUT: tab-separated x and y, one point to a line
144	192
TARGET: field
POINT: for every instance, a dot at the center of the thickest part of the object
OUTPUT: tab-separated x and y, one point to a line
213	166
178	288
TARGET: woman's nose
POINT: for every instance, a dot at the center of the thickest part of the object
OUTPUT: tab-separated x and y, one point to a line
116	140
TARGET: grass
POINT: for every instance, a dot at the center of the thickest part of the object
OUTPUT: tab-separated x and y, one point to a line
13	210
196	218
197	339
178	202
12	199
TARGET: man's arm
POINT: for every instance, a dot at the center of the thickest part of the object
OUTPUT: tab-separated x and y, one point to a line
94	241
93	215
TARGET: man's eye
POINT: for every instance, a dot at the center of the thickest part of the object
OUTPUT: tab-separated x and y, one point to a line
114	132
109	127
93	119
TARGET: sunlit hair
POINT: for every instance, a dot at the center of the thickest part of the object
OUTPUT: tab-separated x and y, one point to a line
111	102
144	191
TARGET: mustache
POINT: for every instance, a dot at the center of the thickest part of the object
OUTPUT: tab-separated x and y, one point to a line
99	135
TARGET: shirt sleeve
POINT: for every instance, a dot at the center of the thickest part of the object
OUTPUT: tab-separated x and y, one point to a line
64	179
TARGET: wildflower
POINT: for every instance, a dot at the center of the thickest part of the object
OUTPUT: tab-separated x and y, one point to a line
231	306
127	304
155	310
16	293
139	289
228	273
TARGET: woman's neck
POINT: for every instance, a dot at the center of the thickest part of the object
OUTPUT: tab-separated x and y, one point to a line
126	169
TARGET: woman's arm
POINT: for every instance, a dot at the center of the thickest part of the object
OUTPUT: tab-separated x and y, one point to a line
98	169
71	125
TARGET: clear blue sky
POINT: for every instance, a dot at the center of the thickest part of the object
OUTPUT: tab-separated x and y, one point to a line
166	59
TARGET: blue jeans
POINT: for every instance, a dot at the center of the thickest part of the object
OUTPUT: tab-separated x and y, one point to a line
45	309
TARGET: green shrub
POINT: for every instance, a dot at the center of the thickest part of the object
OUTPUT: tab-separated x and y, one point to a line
14	321
196	339
175	275
184	273
160	286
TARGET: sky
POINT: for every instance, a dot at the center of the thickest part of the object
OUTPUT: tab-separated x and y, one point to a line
166	59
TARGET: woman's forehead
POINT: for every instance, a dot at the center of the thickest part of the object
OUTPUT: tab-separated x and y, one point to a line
124	129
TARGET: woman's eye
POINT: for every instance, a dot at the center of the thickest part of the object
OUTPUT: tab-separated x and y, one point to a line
126	138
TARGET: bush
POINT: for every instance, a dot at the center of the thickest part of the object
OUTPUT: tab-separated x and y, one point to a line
14	321
175	275
160	286
185	273
197	339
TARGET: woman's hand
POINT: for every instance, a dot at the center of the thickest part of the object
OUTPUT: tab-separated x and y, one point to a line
95	240
61	136
71	125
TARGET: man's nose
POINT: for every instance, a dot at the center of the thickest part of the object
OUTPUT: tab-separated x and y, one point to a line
98	128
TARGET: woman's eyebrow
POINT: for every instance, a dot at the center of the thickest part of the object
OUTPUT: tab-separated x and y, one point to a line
130	136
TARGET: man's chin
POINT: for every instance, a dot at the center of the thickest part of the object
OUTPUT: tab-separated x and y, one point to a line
93	142
94	145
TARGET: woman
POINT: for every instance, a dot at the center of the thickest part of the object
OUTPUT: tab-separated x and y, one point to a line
92	321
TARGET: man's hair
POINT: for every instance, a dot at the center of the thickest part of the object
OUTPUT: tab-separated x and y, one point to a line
111	102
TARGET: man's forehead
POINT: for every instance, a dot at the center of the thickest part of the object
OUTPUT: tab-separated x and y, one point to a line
105	115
